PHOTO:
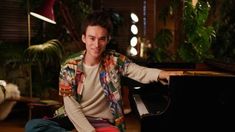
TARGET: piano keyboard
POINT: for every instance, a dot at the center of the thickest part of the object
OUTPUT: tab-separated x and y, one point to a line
142	110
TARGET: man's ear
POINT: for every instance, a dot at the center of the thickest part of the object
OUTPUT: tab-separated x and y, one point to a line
83	38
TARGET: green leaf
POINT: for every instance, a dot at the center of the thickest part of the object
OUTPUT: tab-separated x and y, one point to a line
46	54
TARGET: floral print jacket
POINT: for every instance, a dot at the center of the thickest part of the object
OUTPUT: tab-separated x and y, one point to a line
113	65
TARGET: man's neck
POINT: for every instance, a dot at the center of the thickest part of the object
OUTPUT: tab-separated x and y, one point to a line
91	61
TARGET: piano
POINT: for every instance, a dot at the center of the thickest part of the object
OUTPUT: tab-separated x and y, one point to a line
201	99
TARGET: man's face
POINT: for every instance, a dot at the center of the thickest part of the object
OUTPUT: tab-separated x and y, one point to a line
96	38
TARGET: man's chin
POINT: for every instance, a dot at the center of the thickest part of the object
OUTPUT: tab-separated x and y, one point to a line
96	55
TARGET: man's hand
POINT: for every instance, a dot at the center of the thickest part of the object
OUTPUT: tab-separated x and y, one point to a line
12	91
164	76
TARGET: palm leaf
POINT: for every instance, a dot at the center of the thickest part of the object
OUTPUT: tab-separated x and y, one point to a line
46	54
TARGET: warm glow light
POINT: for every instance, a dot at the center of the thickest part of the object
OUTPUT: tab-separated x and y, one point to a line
133	51
194	2
42	17
46	12
134	29
133	41
134	17
137	87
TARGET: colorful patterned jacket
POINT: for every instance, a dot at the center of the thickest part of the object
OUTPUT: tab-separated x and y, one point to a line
112	67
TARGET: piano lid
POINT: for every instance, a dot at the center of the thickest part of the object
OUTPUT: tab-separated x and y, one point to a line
221	65
206	73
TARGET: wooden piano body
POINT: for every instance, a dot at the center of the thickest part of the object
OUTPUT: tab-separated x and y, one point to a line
201	99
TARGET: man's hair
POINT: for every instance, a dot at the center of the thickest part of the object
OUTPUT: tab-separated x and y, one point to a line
98	18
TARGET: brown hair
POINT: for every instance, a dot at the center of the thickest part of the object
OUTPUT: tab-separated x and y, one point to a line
98	18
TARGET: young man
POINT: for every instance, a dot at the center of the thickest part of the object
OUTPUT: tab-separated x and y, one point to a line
90	83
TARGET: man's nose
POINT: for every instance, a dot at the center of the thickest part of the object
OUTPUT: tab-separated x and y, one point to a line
96	43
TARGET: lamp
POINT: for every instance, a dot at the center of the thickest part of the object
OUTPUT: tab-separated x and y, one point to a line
46	12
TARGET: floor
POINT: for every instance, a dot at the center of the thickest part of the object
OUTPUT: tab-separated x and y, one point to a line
17	119
15	123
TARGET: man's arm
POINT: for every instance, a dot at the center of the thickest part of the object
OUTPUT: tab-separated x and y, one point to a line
76	116
142	74
146	75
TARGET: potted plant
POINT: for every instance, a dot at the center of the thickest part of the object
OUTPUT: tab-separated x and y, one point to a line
197	35
45	61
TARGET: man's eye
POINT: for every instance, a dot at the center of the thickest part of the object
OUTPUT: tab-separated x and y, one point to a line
103	39
93	39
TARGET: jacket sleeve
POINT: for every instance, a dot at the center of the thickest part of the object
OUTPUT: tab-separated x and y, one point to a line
67	79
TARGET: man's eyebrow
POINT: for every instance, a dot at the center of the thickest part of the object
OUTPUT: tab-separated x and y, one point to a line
91	36
104	37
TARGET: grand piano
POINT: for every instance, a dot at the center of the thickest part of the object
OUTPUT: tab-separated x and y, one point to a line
201	99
